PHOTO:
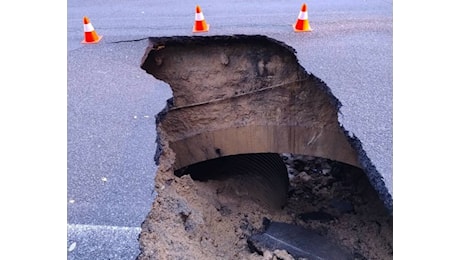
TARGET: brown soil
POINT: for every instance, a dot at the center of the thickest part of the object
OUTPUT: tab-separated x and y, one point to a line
213	219
258	100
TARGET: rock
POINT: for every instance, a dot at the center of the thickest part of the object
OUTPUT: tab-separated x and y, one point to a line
304	176
283	254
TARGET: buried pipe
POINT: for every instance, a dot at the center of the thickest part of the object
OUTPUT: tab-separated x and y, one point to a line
261	176
238	103
241	94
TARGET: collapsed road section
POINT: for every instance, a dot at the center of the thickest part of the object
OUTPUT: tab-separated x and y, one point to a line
241	107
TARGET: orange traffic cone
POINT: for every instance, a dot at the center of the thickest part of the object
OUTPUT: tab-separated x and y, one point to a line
200	23
90	34
302	24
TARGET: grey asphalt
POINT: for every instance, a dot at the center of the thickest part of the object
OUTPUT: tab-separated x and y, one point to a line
112	103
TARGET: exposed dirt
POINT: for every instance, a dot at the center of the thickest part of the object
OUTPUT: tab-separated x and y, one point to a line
213	219
257	99
246	95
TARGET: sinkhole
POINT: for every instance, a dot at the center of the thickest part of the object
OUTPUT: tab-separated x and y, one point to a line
252	161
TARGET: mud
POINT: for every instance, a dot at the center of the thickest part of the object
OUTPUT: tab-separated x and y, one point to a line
248	95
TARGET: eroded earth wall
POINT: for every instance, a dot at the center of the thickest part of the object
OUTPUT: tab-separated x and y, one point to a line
232	95
243	94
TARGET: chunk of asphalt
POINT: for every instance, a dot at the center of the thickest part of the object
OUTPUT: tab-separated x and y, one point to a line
297	241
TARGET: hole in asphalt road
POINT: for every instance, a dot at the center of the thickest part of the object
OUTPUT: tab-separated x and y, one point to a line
234	176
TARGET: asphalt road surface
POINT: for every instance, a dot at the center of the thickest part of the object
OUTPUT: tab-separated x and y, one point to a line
112	103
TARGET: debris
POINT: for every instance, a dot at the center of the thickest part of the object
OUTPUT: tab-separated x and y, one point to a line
283	254
72	246
297	241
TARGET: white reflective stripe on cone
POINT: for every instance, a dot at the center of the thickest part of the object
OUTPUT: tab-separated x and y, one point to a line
88	27
199	16
303	16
